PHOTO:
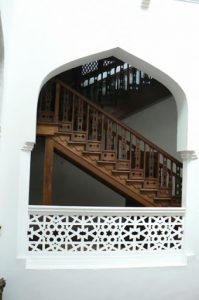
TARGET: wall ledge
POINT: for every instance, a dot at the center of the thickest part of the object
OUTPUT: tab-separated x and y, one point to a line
188	154
28	146
111	261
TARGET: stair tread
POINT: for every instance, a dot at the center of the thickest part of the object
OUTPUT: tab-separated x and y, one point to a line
91	152
135	180
106	162
148	190
164	198
121	171
77	142
59	132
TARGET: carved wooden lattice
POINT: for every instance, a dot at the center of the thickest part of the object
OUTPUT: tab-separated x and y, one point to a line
90	67
78	232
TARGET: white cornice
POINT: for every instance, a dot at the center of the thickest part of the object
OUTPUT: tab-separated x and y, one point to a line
190	1
188	154
28	146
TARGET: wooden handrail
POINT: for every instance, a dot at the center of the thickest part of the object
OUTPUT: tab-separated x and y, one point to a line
118	122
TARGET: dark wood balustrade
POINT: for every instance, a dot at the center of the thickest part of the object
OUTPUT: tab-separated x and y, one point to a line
143	167
100	80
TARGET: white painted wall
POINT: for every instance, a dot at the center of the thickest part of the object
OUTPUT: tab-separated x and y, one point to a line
43	38
158	123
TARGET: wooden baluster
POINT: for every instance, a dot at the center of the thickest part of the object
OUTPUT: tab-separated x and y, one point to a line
171	178
137	154
164	173
95	125
48	168
64	108
109	135
159	170
145	161
95	88
134	78
121	77
116	142
128	77
80	115
151	163
100	88
57	98
48	99
108	83
102	134
73	112
88	121
130	150
178	181
138	79
115	81
45	114
124	156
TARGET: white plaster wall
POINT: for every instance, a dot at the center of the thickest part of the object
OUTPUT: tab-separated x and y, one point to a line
46	37
1	66
158	123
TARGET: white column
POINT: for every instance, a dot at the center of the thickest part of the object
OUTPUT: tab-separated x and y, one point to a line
189	157
22	207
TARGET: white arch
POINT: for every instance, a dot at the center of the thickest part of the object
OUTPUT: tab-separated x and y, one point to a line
141	64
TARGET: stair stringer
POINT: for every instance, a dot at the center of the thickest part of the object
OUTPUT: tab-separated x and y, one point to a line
103	173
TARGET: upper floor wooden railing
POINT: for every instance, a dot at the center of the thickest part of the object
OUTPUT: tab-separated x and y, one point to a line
73	113
111	77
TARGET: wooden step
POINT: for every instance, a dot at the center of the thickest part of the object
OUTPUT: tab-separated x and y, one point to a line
151	183
120	171
108	155
93	146
77	142
164	193
91	152
148	190
162	199
150	193
137	183
123	165
79	136
106	162
65	127
137	174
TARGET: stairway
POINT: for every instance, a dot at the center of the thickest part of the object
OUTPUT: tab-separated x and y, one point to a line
106	148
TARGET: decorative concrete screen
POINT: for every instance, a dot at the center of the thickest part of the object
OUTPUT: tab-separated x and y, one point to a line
70	229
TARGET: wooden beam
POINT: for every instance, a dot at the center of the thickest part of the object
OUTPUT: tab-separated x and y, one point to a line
48	168
47	129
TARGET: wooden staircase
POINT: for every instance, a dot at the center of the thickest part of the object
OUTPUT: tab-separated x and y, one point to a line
106	148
